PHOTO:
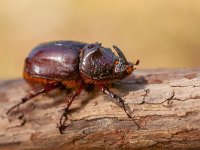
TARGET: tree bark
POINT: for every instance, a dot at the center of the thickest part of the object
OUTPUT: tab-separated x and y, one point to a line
165	104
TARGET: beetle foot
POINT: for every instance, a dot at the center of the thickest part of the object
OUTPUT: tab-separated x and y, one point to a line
63	119
61	129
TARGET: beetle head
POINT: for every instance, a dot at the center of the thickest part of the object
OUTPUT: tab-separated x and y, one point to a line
122	66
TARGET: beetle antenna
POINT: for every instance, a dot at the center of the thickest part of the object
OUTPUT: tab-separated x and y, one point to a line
119	52
137	62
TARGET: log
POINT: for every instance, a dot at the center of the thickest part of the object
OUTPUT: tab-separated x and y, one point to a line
165	104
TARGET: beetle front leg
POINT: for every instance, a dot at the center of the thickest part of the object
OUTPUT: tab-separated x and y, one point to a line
63	117
118	100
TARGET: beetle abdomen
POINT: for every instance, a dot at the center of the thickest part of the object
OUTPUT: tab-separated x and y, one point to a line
56	60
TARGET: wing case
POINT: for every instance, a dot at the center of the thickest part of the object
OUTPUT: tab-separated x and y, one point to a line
55	60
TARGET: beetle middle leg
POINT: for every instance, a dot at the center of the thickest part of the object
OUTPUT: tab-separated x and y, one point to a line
64	117
46	89
118	100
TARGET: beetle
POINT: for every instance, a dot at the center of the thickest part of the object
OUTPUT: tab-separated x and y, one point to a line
75	65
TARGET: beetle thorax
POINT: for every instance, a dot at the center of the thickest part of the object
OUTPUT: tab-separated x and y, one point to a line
99	64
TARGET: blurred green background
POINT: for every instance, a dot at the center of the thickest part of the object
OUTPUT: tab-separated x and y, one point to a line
161	33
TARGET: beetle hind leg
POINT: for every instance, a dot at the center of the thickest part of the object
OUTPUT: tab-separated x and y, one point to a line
46	89
118	100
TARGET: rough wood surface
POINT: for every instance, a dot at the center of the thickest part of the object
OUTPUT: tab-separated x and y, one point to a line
166	106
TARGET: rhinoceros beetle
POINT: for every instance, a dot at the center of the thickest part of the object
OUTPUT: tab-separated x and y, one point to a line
75	65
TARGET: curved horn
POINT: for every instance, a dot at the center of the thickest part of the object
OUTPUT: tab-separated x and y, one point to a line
119	52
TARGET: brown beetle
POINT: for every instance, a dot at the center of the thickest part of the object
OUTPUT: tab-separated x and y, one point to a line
75	65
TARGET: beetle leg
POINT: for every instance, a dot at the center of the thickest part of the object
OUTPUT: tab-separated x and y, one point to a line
118	100
64	117
32	95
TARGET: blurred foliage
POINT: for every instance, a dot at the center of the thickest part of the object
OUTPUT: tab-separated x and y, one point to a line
161	33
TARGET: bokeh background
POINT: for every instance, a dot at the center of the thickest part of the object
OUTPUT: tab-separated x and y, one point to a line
161	33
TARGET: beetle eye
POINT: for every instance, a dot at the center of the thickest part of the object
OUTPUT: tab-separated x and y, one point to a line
129	69
116	62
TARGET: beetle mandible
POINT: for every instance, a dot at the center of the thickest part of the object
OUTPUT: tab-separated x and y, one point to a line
75	65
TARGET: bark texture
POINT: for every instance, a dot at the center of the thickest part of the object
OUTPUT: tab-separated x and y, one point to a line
166	115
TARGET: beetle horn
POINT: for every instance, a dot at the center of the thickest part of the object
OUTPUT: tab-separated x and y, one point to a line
121	55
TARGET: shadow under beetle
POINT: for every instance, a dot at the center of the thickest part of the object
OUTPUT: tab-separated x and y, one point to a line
75	65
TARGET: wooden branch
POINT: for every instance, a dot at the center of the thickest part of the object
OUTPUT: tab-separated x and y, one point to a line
166	106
